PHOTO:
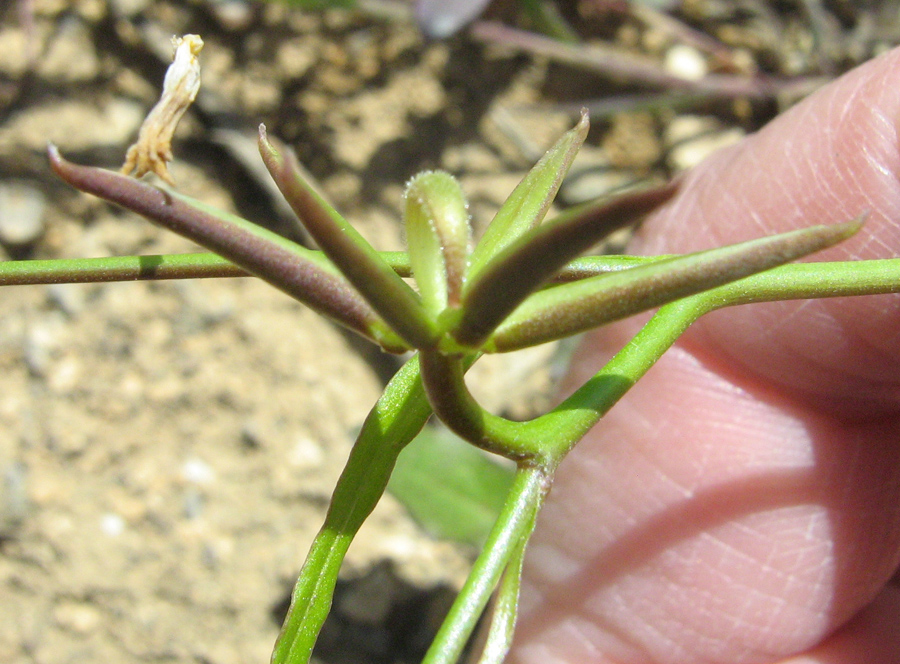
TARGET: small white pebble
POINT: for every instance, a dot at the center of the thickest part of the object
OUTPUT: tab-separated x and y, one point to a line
197	471
305	454
686	62
690	153
112	524
77	617
398	547
21	213
65	375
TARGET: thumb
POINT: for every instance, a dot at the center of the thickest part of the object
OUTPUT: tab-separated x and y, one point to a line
740	504
826	161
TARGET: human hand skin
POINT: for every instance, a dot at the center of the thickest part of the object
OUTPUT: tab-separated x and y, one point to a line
741	504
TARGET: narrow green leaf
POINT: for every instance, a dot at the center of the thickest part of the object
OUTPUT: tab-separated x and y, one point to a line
303	274
397	417
513	526
526	264
567	309
528	204
506	609
437	234
452	489
357	260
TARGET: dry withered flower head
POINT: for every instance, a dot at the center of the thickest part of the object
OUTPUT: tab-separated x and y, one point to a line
153	149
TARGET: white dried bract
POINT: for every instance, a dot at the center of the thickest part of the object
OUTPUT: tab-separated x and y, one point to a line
153	149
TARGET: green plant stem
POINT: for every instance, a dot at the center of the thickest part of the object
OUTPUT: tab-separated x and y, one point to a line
788	282
510	532
506	608
552	435
584	408
558	432
810	281
577	414
141	268
545	440
457	408
117	268
209	265
397	417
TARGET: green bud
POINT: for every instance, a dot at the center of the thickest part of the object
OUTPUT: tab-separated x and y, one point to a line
437	235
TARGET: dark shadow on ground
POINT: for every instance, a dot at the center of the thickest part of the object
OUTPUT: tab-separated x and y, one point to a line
378	618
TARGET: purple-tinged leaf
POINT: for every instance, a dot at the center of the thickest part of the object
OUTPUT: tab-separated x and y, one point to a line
528	203
527	264
301	273
397	303
568	309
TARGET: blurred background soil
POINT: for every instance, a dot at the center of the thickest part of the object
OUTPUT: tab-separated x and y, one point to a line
167	450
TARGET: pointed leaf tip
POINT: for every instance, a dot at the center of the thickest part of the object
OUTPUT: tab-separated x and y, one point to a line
855	225
57	162
270	155
584	120
391	297
262	137
575	307
527	205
